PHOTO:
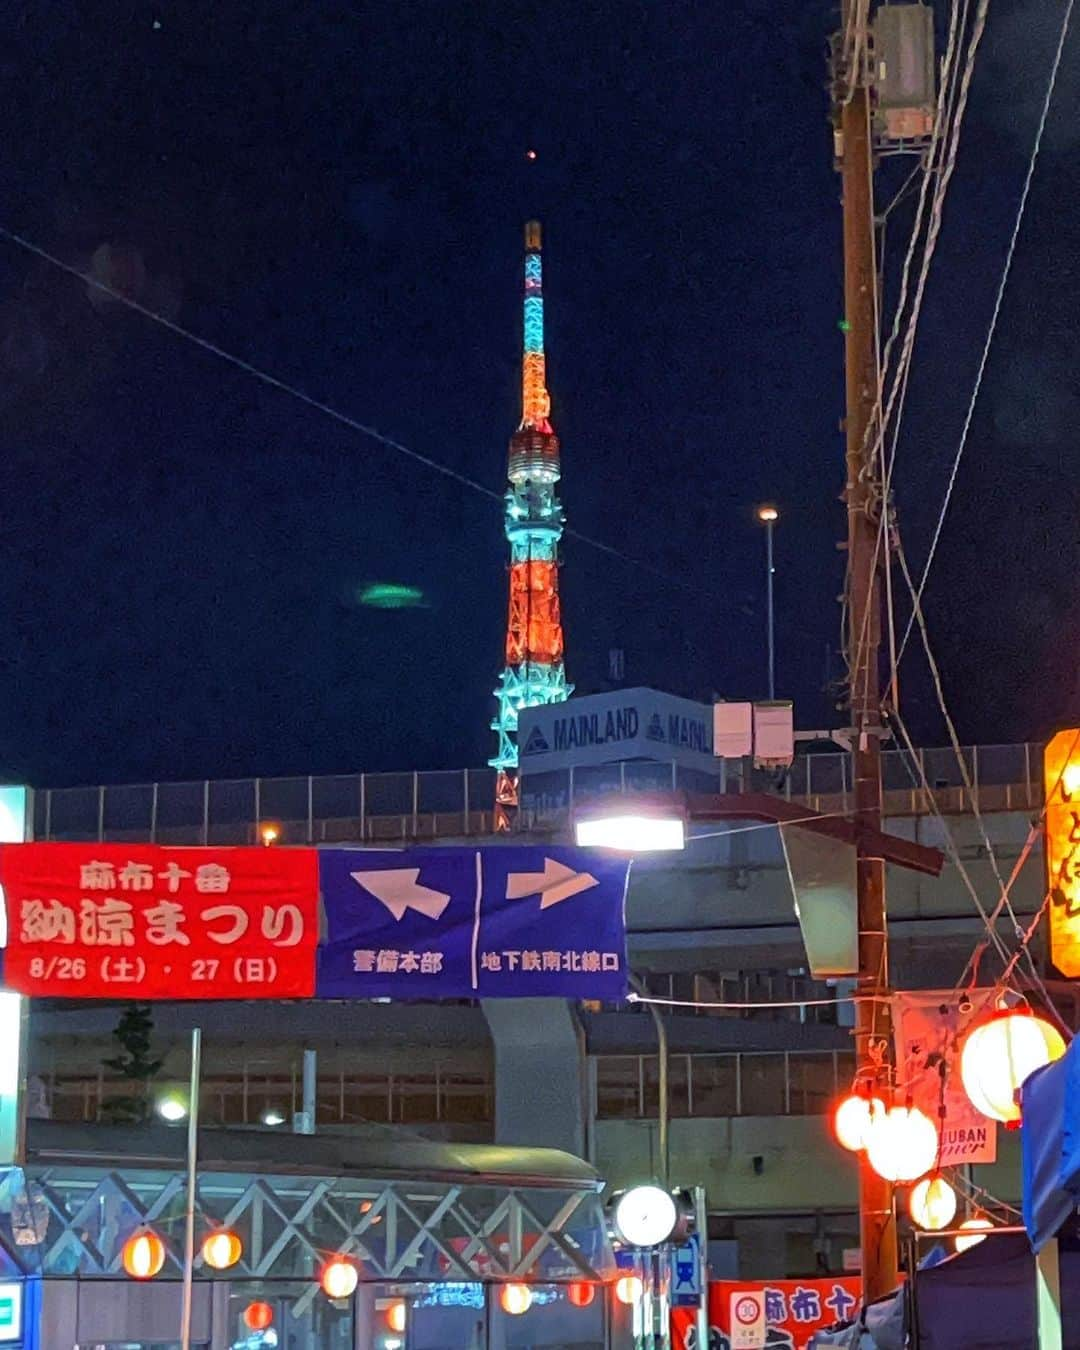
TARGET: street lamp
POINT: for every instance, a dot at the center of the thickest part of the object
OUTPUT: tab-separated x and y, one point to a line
172	1108
629	832
768	516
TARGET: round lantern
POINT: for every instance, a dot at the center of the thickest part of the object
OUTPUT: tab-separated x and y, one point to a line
902	1144
581	1293
396	1316
932	1203
977	1228
629	1289
516	1299
258	1316
998	1056
339	1278
222	1250
144	1255
853	1117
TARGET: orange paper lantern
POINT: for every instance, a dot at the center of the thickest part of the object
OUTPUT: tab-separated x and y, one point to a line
902	1145
396	1316
629	1289
977	1228
853	1117
998	1055
581	1293
143	1255
222	1250
932	1203
258	1316
339	1278
516	1299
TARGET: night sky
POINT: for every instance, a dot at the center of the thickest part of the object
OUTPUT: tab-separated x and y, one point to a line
335	193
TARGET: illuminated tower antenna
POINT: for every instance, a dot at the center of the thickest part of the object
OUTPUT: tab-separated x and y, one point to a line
533	674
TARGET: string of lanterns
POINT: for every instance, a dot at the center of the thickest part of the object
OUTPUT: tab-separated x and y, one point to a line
902	1144
143	1256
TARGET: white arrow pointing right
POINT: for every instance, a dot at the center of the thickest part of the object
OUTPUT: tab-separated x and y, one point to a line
398	889
555	883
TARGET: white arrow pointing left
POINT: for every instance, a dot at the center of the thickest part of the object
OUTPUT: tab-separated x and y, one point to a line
398	889
555	883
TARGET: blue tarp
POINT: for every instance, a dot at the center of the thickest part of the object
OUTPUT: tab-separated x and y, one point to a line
982	1299
1046	1203
1050	1136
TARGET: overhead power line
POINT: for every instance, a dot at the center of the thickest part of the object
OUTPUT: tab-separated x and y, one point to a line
327	409
999	297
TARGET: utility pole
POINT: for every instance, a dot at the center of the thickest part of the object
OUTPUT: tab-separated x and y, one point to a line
877	1218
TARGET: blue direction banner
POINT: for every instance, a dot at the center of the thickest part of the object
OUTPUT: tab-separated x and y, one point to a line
496	922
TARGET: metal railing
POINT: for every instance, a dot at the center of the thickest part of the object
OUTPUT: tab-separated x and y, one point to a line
394	808
432	1098
743	1083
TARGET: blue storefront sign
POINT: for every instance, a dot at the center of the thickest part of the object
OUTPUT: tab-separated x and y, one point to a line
625	725
513	922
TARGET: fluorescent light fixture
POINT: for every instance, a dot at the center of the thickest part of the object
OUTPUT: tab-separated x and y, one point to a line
632	833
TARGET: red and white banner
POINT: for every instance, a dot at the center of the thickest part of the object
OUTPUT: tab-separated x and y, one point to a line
140	921
930	1027
794	1310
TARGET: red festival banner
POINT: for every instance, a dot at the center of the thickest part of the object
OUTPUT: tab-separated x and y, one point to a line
795	1310
139	921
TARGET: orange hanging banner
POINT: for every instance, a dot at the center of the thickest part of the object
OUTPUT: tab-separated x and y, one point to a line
1061	779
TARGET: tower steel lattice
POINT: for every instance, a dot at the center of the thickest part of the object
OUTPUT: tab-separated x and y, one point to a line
534	673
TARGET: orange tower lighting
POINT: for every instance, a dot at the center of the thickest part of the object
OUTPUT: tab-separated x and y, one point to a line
533	674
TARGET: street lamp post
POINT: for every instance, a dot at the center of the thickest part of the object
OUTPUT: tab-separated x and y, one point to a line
769	515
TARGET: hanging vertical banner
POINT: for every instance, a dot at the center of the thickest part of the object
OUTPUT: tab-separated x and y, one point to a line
139	921
496	922
1061	780
930	1026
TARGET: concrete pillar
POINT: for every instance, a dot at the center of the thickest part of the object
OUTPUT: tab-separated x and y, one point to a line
495	1319
365	1318
540	1083
59	1323
220	1330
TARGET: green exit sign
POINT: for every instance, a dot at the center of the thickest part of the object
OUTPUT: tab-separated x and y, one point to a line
10	1312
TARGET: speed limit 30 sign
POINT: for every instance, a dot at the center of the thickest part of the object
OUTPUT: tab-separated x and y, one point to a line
747	1320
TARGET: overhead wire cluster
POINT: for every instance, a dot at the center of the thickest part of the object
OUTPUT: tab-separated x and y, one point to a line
965	26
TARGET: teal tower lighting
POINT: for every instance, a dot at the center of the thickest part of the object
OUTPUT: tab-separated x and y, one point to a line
533	674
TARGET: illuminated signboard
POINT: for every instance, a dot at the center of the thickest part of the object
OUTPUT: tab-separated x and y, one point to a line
10	1312
1061	777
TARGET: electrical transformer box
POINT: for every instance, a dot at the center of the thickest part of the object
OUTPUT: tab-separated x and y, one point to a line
903	71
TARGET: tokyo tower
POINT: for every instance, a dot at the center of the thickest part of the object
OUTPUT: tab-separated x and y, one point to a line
533	674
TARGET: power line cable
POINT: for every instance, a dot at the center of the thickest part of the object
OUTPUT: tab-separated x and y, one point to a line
917	616
944	133
327	409
1005	901
633	997
923	784
1006	269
